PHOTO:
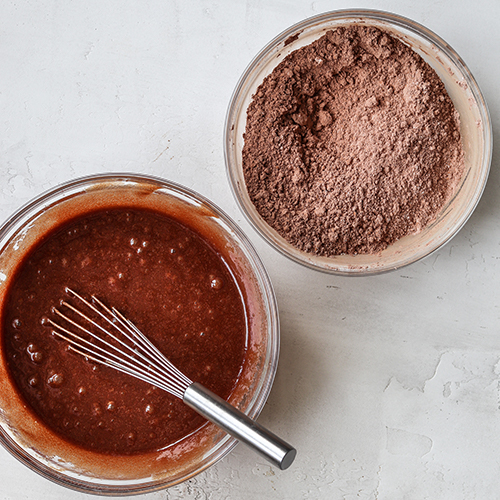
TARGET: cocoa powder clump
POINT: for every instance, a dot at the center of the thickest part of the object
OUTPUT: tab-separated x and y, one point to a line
351	143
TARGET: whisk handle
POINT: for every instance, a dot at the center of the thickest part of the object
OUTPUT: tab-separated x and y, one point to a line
236	423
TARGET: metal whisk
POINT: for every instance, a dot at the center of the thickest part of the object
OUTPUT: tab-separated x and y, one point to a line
119	344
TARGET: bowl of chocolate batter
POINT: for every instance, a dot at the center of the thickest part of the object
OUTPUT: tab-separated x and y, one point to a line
175	263
357	142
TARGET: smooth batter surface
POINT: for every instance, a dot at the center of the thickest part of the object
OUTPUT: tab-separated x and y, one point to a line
165	278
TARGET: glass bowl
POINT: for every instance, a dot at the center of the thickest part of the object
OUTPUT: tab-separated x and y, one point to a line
464	92
46	453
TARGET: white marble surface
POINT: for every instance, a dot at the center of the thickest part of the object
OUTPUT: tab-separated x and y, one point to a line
389	386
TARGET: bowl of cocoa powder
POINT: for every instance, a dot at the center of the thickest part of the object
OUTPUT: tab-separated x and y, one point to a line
357	142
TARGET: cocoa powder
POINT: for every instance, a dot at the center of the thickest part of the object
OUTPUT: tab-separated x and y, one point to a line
351	143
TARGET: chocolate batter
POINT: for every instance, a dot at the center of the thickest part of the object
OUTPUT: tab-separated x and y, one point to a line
164	277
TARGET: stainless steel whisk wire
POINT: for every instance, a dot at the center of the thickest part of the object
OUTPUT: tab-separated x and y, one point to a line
140	358
165	373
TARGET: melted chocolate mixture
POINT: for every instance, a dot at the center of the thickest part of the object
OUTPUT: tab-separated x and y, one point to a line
165	278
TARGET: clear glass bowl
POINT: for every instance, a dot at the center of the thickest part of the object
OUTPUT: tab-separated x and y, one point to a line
464	92
44	452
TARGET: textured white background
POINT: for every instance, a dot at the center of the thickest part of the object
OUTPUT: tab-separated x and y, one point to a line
389	386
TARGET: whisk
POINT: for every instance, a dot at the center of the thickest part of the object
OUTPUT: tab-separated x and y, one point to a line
119	344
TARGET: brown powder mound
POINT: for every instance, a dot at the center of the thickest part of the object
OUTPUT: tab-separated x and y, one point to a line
351	143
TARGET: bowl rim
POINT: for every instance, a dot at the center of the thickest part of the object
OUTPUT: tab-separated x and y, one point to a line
303	258
115	487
